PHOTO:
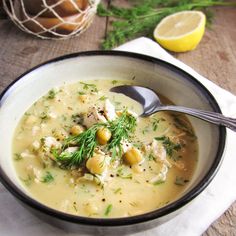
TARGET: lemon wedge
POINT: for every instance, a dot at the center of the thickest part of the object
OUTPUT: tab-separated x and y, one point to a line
182	31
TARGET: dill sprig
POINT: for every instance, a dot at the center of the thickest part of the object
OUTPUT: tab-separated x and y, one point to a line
121	128
141	19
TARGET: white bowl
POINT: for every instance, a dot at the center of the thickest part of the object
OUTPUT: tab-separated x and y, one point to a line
172	82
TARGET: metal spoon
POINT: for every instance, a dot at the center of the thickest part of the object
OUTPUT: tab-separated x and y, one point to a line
152	104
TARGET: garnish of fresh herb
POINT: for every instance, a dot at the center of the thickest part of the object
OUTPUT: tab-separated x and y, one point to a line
159	182
51	94
47	178
118	190
141	19
102	98
114	81
87	86
169	146
27	181
121	128
81	93
181	181
77	118
155	123
17	157
43	115
122	175
108	210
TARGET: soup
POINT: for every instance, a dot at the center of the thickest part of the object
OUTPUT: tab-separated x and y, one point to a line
85	151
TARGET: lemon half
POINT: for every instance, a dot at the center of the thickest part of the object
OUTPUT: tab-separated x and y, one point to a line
182	31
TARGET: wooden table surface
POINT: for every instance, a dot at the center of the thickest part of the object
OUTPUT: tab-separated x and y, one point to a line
214	58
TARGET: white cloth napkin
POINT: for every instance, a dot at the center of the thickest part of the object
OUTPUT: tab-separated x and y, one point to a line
219	195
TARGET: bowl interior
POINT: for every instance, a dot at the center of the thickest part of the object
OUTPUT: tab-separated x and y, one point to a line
168	81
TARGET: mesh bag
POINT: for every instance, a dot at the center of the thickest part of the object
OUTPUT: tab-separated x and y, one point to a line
52	19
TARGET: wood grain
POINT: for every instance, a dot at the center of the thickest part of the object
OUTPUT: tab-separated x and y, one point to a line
215	58
20	51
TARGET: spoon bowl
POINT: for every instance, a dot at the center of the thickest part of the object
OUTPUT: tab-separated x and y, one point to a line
152	104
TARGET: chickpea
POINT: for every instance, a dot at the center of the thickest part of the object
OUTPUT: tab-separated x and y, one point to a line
103	136
132	156
76	129
96	164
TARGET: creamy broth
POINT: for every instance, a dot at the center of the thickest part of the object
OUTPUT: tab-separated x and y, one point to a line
165	144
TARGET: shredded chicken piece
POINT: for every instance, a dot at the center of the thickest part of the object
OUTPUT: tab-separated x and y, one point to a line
109	110
50	142
36	145
27	154
93	116
158	150
52	115
35	130
125	146
45	151
162	175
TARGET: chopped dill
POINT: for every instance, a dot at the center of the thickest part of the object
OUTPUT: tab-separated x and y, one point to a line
108	210
17	157
27	114
129	176
81	93
27	181
169	146
43	115
47	178
145	130
102	98
159	182
51	94
87	86
155	123
114	81
118	190
151	157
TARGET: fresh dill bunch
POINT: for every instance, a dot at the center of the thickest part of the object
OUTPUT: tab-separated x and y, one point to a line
141	19
121	128
86	142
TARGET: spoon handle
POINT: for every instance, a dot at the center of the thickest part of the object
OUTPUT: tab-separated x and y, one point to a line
213	117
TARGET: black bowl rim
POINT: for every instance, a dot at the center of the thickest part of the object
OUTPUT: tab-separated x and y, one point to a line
172	207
